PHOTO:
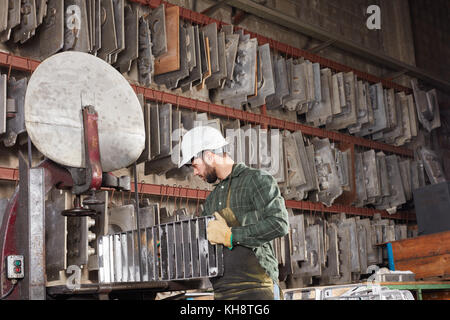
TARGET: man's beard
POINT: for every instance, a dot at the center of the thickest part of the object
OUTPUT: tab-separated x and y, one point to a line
211	175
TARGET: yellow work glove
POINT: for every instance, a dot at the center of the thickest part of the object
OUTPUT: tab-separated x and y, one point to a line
219	232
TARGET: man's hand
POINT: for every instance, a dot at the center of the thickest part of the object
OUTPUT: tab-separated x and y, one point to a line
218	231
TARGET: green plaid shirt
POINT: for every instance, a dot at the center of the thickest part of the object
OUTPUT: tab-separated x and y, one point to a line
257	203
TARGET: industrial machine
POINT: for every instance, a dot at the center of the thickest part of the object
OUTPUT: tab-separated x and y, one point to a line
56	236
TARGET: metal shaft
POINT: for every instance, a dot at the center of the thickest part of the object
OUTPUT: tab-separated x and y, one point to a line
136	197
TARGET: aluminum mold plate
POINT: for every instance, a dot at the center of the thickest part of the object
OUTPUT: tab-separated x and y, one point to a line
53	115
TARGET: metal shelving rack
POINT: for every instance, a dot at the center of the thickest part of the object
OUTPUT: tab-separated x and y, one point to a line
13	62
176	192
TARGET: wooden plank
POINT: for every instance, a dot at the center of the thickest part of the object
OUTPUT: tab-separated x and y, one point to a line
422	246
427	267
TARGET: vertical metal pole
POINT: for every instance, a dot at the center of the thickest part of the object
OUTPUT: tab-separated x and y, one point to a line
419	294
29	153
136	197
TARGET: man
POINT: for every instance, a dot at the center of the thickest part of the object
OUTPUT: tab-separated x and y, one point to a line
249	211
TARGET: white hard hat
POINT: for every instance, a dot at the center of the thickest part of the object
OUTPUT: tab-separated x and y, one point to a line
200	139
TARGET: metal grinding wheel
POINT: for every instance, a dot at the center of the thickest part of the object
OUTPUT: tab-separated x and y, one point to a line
57	91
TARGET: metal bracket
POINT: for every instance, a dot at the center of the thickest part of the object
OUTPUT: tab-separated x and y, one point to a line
243	84
379	111
119	21
76	30
321	113
16	125
397	192
432	165
28	23
14	16
157	22
172	78
349	115
267	87
195	75
217	78
130	50
275	100
329	184
145	56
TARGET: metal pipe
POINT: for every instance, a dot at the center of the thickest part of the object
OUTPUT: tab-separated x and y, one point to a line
136	197
101	288
29	153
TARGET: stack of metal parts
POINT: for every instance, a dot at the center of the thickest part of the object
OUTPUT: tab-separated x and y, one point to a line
348	292
388	182
117	31
333	250
385	181
12	103
171	251
305	168
238	72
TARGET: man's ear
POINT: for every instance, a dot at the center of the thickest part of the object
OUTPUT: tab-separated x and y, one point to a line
208	157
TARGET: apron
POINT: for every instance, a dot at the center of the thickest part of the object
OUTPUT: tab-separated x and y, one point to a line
243	277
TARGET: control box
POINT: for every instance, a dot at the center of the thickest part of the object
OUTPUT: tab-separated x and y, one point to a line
15	267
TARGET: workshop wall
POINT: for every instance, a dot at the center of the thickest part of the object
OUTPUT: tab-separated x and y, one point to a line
345	18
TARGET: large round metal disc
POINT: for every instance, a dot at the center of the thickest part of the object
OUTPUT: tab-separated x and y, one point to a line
56	93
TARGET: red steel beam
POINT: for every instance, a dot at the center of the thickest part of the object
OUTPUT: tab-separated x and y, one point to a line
178	192
18	63
289	50
9	174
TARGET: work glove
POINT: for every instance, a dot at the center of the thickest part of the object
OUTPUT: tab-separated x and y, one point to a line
219	232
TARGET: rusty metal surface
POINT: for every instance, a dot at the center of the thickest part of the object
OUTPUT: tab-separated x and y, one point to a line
131	37
3	102
52	112
76	29
50	38
108	31
210	32
145	55
170	61
171	78
13	19
157	22
28	23
3	15
119	21
195	75
16	125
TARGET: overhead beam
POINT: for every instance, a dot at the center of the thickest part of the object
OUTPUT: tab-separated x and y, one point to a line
300	26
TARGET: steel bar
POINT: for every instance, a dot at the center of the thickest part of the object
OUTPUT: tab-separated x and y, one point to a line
138	226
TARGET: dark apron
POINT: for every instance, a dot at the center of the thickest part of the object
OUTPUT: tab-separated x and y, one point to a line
243	277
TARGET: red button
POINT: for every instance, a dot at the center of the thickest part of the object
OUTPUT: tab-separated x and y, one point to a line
17	270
